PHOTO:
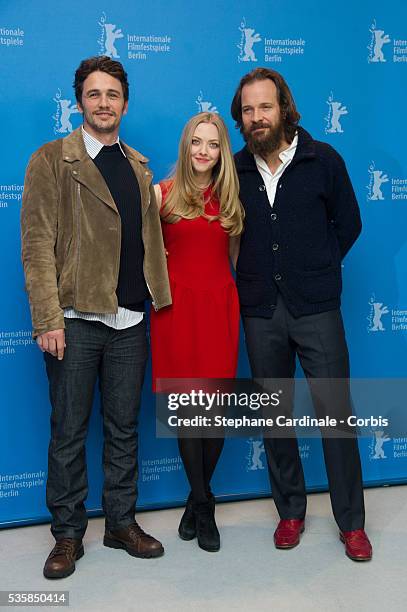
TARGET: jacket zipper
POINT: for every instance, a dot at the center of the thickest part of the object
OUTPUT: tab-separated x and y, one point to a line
144	272
78	197
151	293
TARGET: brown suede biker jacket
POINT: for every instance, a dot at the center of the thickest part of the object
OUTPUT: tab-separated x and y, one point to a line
71	233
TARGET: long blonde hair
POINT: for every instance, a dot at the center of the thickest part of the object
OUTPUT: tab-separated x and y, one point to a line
185	199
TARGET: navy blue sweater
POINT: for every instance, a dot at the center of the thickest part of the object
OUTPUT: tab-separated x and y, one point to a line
115	168
297	246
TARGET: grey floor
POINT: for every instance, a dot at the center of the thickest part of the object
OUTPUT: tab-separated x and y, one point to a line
247	574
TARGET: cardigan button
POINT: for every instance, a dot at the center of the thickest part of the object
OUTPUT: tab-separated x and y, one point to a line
277	277
273	216
262	188
275	247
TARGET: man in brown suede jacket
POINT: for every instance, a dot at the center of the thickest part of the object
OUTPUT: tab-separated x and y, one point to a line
92	254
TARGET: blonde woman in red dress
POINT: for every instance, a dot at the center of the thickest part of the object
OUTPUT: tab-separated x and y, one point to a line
198	336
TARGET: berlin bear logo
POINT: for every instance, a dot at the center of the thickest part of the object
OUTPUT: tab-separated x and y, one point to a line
256	450
377	178
204	105
248	38
376	447
109	34
62	116
378	40
335	112
377	310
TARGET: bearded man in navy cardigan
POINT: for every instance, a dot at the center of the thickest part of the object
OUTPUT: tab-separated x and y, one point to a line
302	218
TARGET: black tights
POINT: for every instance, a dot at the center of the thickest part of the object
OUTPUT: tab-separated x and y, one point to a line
200	456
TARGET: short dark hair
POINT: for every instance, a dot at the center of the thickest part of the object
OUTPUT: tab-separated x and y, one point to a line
285	99
103	63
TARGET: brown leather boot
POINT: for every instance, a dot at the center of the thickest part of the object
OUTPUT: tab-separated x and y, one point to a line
61	559
134	540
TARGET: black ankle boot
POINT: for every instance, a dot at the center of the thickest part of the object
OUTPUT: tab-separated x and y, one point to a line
187	528
206	530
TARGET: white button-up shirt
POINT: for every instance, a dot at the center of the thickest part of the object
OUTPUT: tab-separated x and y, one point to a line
270	179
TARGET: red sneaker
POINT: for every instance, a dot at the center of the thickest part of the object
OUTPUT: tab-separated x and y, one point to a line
357	545
287	534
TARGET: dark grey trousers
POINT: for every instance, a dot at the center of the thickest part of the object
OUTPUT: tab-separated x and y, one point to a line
319	341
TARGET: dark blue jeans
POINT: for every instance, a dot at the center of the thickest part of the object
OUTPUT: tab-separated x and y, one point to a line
118	359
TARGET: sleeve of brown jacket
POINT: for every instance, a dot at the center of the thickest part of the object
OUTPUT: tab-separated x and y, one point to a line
39	225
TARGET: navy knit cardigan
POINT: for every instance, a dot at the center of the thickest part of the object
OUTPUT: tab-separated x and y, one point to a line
296	246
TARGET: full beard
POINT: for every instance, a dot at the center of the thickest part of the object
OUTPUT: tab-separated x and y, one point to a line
264	143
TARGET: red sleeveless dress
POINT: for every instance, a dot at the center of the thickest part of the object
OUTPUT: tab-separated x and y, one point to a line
198	336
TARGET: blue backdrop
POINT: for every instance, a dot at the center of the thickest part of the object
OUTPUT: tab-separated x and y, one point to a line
347	66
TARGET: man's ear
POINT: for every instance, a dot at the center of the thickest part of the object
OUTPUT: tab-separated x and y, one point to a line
79	107
125	107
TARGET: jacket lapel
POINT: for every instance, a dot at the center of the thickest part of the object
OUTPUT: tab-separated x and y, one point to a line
83	169
85	172
88	175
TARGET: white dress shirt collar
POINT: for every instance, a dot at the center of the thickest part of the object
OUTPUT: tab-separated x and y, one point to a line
285	157
94	146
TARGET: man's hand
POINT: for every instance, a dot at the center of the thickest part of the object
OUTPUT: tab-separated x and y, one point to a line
53	342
